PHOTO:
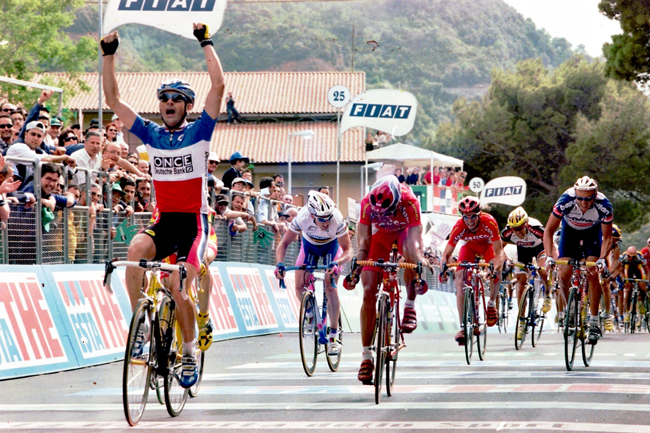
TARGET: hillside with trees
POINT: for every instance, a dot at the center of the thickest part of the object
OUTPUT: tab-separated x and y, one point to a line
436	49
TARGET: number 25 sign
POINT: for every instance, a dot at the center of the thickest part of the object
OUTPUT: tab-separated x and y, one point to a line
338	96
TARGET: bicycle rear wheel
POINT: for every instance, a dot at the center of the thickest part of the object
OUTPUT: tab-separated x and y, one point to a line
136	377
500	312
381	344
468	323
537	316
308	332
587	349
646	317
333	362
571	324
175	394
194	389
523	317
481	322
393	351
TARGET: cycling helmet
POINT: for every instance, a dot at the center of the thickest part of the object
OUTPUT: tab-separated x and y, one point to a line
385	194
177	85
585	183
469	204
320	205
517	218
616	232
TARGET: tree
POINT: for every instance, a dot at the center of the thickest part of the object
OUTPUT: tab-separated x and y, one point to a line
32	40
628	56
551	127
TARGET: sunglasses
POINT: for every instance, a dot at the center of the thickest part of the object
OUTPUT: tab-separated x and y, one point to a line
279	183
324	220
69	138
471	217
6	125
176	97
518	229
112	130
6	110
591	197
213	162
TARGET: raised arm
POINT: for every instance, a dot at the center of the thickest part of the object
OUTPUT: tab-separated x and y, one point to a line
126	114
215	95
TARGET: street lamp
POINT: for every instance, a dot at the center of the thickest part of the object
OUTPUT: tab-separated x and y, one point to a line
304	134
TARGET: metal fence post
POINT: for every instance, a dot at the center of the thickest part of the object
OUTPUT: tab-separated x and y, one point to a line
38	208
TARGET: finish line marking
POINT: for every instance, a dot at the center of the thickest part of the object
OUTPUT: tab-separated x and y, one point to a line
325	425
559	362
407	389
369	405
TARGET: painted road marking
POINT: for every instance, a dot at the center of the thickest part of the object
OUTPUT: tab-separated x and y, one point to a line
329	425
455	364
319	406
601	388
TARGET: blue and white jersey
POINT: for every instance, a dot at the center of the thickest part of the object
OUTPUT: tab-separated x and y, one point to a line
305	225
567	209
179	162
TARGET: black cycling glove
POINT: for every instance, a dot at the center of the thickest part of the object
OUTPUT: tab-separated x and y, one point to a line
108	49
203	35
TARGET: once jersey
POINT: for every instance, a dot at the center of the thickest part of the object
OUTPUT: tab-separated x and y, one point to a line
487	231
534	236
569	212
406	215
179	162
304	223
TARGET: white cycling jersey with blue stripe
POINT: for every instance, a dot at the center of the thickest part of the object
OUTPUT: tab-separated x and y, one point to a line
567	209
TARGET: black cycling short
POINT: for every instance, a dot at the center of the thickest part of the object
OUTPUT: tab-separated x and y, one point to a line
525	255
185	234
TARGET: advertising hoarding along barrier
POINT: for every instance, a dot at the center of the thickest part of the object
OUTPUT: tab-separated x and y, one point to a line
60	317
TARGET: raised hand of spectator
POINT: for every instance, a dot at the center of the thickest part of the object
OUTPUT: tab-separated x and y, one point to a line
114	176
30	200
49	203
45	95
9	185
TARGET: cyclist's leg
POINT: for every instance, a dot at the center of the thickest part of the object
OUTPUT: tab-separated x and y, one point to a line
332	253
142	247
205	324
408	245
308	255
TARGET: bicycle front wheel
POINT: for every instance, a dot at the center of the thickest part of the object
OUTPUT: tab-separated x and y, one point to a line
537	317
571	326
381	344
587	349
393	351
334	361
633	312
468	323
136	378
175	394
523	317
308	332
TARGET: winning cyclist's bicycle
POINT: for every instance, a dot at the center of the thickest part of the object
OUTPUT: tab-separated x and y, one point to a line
388	336
502	306
531	317
474	308
313	329
154	344
577	313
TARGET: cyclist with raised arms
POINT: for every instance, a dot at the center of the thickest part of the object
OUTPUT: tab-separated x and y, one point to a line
586	216
182	227
324	235
528	235
390	214
480	232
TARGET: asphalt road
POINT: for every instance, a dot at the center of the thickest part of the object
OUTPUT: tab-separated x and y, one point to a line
258	384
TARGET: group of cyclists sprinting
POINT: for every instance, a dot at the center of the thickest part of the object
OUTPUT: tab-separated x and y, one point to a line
390	214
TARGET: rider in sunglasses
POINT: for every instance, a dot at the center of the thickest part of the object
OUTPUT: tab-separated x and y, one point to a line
586	216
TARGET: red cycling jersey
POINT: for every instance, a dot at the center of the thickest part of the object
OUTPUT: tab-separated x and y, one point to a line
407	214
479	241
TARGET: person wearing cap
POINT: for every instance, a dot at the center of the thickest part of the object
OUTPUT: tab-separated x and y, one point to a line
179	167
237	163
244	186
213	181
54	131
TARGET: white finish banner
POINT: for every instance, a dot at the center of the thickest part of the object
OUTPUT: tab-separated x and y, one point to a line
386	110
174	16
509	190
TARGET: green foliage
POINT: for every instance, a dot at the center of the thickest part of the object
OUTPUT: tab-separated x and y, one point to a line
628	56
435	49
551	127
32	41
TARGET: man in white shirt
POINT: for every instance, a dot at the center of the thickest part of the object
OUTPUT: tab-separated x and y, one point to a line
89	157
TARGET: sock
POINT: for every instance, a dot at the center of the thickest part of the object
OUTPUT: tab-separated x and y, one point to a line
491	303
409	303
333	334
189	349
367	353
